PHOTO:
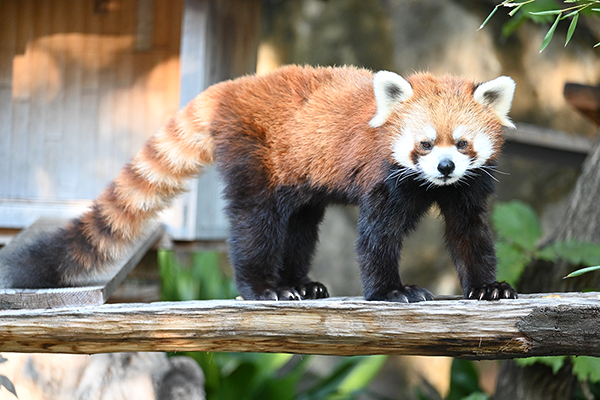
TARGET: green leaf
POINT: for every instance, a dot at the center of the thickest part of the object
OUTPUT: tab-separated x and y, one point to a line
326	386
511	262
361	375
488	18
571	14
516	9
587	368
516	222
547	12
550	33
556	362
582	271
464	379
576	253
268	364
477	396
572	28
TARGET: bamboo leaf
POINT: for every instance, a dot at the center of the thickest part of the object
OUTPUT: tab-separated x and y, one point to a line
516	9
550	33
548	12
571	14
488	18
582	271
571	28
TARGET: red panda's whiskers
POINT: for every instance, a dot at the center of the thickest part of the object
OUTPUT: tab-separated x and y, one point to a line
428	183
489	174
403	174
494	169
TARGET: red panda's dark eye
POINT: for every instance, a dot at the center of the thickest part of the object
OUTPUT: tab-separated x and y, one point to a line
426	145
461	144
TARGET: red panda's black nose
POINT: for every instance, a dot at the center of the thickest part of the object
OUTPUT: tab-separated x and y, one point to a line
446	166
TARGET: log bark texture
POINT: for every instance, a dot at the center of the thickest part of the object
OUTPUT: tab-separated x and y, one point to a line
535	325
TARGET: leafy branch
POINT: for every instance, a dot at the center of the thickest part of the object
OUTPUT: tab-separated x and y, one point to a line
518	231
542	11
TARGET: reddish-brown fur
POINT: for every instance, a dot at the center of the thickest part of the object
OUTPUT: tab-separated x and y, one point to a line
303	132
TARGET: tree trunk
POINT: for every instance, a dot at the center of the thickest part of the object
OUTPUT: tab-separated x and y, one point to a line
535	382
581	222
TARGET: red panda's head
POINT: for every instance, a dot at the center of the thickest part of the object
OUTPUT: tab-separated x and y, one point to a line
442	128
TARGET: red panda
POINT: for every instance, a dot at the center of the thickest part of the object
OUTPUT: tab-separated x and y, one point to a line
288	144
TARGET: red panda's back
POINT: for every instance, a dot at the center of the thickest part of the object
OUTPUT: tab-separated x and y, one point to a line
306	125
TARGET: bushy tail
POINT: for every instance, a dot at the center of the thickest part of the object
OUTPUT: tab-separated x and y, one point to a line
74	255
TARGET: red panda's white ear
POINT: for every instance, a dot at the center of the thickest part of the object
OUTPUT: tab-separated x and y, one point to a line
390	88
497	94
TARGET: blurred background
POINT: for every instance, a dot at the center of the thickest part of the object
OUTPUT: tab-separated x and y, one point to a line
83	84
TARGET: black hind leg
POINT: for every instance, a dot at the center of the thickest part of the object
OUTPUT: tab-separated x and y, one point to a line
256	242
298	250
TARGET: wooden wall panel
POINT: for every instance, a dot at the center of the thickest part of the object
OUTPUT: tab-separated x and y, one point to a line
76	99
219	41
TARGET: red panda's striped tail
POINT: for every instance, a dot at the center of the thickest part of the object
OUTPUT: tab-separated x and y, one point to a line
81	252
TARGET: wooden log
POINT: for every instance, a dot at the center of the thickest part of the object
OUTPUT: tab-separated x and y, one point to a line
530	326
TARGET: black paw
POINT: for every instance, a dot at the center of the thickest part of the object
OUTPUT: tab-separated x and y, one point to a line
279	294
313	290
492	291
408	294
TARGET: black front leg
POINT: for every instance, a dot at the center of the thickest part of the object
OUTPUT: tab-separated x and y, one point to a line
298	249
470	241
382	223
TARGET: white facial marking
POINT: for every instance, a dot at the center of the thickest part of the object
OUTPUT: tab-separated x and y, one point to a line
481	143
401	149
430	132
429	165
405	143
484	148
461	132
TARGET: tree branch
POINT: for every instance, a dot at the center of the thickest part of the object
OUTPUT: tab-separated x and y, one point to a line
530	326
